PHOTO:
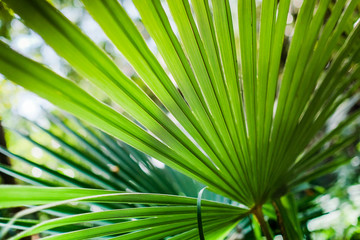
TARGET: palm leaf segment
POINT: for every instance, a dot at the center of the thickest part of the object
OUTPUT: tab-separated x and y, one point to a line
172	215
107	163
117	167
242	131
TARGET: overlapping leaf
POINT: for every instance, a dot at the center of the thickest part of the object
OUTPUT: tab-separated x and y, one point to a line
157	219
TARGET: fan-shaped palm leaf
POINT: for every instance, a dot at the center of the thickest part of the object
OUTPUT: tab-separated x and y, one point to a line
242	131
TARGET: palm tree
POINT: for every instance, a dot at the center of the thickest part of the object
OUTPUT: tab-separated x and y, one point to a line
249	132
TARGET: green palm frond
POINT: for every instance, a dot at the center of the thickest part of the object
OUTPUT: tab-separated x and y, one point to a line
100	161
181	217
241	124
127	168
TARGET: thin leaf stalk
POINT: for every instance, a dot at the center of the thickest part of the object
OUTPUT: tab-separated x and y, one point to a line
280	219
257	211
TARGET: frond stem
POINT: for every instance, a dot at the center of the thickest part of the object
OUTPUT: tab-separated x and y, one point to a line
280	219
257	211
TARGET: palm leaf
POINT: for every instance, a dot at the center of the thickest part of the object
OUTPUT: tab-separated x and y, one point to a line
184	210
160	180
241	131
128	168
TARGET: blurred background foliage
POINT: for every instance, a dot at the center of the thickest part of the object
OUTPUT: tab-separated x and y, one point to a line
329	206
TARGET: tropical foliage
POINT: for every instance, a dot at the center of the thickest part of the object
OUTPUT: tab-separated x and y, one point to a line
138	172
228	112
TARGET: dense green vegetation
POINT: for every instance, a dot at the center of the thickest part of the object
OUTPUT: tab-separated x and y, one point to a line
236	101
